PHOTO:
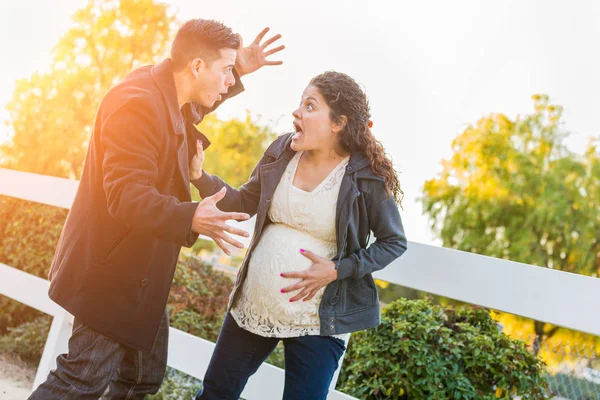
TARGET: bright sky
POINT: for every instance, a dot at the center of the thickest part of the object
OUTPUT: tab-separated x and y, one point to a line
429	67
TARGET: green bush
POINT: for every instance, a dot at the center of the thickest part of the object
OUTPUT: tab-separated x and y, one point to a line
277	357
197	305
29	233
177	385
198	298
27	340
426	351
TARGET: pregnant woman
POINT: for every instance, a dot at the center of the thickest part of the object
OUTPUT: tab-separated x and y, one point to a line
306	280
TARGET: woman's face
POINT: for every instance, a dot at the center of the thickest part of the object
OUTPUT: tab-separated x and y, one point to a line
314	128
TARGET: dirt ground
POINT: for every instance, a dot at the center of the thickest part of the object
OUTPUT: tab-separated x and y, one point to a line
16	379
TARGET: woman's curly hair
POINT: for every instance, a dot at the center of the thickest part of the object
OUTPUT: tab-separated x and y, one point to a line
345	97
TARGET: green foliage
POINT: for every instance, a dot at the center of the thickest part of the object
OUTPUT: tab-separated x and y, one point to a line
237	145
197	305
177	385
425	351
55	111
389	292
27	340
29	233
513	190
198	299
277	357
204	245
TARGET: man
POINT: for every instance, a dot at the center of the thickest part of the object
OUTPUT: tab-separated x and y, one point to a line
116	256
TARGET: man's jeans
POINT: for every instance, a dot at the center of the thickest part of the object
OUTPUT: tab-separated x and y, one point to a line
310	363
95	362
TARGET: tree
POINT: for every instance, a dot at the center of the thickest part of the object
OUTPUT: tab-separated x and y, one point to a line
51	114
237	145
513	190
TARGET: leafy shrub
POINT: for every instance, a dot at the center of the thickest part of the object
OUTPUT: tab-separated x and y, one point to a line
29	233
27	340
197	305
177	385
425	351
198	299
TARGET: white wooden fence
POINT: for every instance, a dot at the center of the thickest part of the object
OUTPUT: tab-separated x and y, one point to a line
547	295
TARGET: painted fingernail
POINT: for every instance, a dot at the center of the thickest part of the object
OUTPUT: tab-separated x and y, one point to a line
282	291
301	250
291	301
280	274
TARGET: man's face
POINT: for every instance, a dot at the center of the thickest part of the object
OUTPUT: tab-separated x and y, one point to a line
213	78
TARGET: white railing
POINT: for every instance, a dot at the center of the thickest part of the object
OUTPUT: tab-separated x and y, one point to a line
542	294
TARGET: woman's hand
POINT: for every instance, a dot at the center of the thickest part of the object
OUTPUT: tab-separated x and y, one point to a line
319	275
197	161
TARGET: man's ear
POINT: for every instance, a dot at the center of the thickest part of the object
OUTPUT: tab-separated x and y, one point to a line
340	124
196	65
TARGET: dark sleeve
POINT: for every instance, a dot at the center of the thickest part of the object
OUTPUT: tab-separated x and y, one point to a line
131	146
245	199
390	243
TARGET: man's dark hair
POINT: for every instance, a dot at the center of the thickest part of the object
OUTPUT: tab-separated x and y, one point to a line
201	38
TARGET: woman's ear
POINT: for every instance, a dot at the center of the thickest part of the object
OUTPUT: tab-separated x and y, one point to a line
340	124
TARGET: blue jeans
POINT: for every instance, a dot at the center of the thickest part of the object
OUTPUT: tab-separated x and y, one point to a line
310	363
96	362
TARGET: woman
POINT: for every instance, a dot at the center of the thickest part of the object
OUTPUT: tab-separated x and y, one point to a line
306	280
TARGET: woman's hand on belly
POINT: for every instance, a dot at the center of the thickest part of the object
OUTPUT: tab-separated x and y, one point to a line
320	274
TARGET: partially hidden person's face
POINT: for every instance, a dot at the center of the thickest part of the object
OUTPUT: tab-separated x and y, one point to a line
212	79
314	128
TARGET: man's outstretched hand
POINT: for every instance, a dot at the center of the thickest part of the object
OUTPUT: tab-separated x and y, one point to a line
254	57
210	221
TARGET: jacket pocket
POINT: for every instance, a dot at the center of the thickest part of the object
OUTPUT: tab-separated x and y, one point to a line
359	294
115	247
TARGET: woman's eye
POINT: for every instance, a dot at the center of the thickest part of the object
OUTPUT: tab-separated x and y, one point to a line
309	107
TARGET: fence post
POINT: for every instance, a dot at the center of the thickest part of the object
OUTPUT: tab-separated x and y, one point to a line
56	344
339	368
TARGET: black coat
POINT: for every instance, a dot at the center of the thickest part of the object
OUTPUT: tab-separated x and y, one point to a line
118	250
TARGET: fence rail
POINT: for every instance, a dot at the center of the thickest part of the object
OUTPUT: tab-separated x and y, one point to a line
542	294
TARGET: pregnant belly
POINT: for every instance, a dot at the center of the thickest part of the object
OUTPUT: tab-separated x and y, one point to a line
279	251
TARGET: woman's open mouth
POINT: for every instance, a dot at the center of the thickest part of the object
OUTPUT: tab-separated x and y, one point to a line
299	132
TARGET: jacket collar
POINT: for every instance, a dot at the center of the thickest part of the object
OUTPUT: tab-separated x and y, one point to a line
358	161
163	77
183	120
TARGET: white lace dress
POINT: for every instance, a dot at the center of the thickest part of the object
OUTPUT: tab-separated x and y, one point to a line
301	220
